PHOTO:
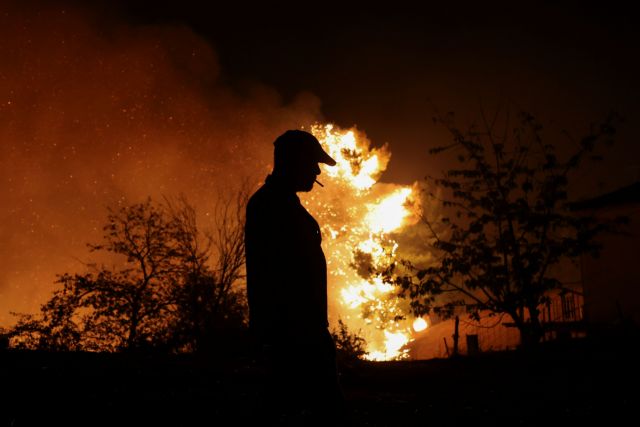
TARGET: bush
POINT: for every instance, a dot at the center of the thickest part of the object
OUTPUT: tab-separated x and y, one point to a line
350	346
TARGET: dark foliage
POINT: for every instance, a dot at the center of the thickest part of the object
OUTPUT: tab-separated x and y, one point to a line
555	384
350	345
162	294
506	222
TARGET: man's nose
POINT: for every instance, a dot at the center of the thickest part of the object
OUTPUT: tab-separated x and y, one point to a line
317	169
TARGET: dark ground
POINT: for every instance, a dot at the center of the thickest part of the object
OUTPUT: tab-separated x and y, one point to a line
561	383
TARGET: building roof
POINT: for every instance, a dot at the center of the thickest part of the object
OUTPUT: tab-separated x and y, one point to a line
626	195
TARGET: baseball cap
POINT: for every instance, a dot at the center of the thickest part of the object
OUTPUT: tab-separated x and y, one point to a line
303	143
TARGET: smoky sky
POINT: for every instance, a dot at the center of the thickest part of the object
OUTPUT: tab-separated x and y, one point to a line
95	116
388	68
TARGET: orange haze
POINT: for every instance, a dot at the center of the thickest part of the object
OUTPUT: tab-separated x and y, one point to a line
91	117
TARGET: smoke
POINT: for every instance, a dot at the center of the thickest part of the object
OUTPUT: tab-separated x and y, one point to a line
96	114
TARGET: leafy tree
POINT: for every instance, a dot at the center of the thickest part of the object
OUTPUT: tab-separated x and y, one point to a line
148	300
56	328
507	223
4	339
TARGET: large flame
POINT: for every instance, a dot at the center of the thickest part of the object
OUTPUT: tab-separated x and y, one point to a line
389	213
358	216
355	166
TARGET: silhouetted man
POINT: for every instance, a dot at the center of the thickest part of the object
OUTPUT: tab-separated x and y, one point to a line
287	281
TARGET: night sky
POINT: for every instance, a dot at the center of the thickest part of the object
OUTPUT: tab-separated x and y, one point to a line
107	103
387	68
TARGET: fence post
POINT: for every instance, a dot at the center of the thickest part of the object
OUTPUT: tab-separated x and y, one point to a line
456	336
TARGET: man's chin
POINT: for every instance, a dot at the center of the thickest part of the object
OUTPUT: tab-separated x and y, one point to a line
307	187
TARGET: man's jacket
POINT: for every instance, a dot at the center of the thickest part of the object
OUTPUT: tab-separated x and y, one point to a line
286	268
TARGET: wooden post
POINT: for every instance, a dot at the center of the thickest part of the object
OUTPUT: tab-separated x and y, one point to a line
473	345
456	336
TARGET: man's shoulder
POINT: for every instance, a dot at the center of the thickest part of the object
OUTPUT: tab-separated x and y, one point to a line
262	197
264	204
269	196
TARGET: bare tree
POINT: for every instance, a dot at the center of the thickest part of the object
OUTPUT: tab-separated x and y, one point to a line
211	301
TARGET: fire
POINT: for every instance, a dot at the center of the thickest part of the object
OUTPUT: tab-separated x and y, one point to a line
359	216
393	344
419	324
355	165
389	213
356	295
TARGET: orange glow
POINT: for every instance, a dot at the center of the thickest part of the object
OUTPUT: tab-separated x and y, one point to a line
91	119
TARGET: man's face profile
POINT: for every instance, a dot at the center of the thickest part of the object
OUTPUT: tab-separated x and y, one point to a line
297	156
304	173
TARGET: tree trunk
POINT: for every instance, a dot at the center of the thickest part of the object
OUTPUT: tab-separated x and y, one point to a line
531	331
133	327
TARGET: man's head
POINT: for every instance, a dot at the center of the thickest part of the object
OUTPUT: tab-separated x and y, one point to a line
296	157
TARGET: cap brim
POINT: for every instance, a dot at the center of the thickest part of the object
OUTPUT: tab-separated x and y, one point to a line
323	157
